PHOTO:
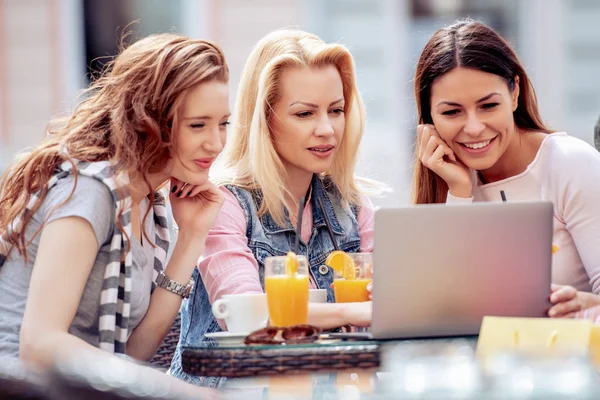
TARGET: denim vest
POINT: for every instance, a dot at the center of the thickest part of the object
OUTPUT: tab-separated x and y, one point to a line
266	239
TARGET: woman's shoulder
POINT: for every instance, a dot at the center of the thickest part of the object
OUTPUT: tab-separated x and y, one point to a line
565	160
250	199
561	146
84	197
240	194
80	189
231	194
237	205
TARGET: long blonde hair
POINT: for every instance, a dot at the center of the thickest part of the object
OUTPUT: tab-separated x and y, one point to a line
250	159
126	118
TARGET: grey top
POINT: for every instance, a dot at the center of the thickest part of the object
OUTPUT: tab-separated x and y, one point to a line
91	201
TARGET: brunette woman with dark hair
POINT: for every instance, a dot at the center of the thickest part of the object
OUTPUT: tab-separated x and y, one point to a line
481	134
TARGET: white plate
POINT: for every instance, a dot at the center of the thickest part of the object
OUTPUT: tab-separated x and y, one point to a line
227	338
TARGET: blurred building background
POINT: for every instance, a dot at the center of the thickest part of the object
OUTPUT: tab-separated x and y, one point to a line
49	49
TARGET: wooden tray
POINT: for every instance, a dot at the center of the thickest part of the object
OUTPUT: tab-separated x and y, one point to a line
246	361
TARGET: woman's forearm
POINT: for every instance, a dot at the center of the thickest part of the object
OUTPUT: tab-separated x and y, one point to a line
326	315
41	352
334	315
164	305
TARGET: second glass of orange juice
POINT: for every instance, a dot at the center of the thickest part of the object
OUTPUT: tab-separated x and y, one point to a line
286	285
354	288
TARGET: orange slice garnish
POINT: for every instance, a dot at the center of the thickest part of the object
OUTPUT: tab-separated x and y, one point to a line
291	264
554	248
343	264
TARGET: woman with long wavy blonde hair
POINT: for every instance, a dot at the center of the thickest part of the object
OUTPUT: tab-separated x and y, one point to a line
83	227
298	124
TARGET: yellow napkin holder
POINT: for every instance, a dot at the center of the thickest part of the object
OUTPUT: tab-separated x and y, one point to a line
540	336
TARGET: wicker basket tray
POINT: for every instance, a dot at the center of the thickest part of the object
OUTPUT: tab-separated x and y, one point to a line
245	361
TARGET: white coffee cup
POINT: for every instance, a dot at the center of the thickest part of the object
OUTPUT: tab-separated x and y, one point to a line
317	295
243	313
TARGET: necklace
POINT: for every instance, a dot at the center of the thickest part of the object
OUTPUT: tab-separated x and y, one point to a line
292	214
481	178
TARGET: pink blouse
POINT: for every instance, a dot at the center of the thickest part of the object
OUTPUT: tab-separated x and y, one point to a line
228	265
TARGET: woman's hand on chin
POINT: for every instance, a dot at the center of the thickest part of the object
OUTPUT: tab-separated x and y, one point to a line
195	207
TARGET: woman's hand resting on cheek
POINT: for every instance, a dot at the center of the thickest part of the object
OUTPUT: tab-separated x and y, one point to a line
436	155
195	208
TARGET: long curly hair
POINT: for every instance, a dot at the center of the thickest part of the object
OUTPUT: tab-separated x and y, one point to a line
126	117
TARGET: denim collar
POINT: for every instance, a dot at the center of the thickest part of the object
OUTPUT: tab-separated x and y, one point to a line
318	191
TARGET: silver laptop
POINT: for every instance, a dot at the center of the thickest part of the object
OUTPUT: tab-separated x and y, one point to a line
438	269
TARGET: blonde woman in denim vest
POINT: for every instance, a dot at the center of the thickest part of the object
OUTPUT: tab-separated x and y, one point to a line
297	128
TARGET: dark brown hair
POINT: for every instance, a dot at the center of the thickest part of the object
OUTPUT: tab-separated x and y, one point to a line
467	44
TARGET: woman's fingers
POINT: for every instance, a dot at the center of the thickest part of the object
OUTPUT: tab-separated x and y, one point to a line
563	294
184	190
565	308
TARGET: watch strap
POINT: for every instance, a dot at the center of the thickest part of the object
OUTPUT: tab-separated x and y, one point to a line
183	290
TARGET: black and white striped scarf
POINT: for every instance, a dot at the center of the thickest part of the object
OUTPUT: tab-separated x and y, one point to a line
116	288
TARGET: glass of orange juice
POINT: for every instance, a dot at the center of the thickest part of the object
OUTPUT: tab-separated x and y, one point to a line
352	288
286	285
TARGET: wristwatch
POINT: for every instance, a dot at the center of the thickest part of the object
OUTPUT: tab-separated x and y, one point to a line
169	284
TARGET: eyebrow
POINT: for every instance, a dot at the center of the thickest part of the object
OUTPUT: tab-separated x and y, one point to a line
449	103
205	117
315	105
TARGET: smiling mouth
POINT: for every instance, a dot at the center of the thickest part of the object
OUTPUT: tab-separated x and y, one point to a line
478	145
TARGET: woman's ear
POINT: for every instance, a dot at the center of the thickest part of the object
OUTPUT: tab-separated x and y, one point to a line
515	93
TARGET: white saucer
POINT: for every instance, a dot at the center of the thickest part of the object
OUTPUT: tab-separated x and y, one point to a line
227	338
